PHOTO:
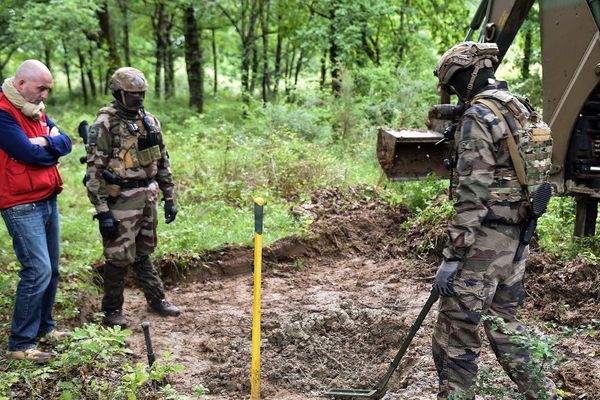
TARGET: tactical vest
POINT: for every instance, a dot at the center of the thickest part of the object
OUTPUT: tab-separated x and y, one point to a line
127	158
531	154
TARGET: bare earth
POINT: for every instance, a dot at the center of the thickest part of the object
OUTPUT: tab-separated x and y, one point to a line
336	307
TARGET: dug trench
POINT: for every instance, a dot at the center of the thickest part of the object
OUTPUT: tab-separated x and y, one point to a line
336	306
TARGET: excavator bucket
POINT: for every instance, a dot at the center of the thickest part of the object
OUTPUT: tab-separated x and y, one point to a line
406	155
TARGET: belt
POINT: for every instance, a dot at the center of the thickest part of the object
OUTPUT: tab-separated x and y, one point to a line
136	183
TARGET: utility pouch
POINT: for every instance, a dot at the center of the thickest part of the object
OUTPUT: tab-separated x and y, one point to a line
148	155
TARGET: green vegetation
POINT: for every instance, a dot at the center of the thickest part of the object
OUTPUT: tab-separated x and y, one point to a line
555	230
280	125
86	368
544	358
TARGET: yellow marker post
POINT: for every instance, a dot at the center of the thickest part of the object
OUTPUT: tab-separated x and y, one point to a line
258	230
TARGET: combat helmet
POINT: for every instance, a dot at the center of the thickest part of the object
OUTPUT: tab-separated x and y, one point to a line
128	79
465	55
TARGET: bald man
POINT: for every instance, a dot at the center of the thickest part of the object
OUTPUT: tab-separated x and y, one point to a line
30	147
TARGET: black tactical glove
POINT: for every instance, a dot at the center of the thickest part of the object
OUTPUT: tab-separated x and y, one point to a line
170	211
444	279
109	226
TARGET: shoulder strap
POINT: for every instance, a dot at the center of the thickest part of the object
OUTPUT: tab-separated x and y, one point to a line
513	149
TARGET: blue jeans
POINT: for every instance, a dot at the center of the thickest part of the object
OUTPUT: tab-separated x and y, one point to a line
35	232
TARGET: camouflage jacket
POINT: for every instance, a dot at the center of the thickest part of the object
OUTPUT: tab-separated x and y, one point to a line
113	147
483	166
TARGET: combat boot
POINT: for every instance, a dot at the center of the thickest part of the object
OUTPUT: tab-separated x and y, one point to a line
114	318
112	302
164	308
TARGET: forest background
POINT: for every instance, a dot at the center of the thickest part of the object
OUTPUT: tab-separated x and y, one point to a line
270	98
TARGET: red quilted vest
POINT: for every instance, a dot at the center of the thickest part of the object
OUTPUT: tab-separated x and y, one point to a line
22	183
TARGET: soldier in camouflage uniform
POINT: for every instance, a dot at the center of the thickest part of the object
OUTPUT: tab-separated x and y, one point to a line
478	277
127	167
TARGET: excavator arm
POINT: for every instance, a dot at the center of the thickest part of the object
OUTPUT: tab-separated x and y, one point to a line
408	154
499	22
571	86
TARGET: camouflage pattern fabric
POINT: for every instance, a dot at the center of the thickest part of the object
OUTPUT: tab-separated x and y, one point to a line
113	146
484	233
488	284
137	211
487	188
128	79
534	138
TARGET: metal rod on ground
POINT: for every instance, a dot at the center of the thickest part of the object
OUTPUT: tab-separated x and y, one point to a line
258	230
149	350
379	391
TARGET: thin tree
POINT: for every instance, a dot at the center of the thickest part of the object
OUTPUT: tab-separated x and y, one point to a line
125	17
169	54
66	66
158	20
82	76
244	24
266	8
334	49
278	48
114	61
193	58
213	46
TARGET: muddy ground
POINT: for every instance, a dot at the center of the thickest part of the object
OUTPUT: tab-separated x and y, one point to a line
336	307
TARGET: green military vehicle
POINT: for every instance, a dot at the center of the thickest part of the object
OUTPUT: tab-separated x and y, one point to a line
571	87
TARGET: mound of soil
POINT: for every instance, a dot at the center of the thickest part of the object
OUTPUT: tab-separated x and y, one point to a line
335	309
567	293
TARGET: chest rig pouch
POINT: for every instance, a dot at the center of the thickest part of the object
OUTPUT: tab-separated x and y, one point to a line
148	143
531	155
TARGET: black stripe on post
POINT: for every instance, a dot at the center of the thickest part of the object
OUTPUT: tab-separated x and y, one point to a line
258	218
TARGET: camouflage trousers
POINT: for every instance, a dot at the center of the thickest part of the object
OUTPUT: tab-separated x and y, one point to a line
488	284
137	211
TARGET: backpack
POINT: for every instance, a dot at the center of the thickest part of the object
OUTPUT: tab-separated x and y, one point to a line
532	155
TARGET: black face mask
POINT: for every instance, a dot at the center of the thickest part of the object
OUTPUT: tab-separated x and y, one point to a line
129	101
459	82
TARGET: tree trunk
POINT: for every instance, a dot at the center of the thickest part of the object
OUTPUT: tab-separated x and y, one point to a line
114	61
124	12
215	63
265	43
376	45
159	24
289	67
193	58
366	46
255	62
91	81
245	66
527	48
169	74
5	61
277	70
323	70
248	47
298	67
169	58
67	67
47	56
245	27
82	71
333	52
68	74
